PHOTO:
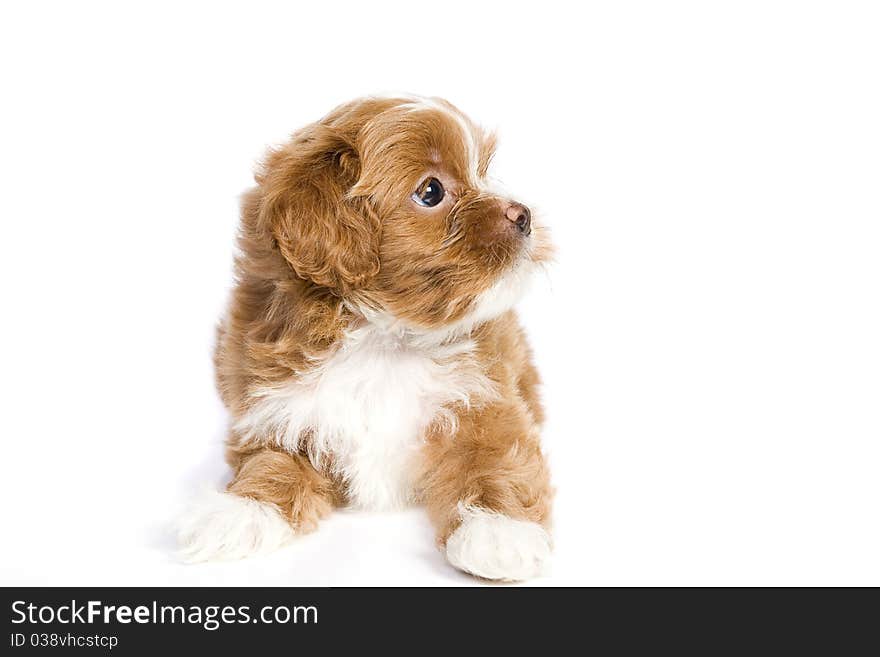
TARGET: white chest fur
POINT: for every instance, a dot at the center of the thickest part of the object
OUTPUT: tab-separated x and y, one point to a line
367	406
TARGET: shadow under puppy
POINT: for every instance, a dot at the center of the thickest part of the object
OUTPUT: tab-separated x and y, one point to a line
369	355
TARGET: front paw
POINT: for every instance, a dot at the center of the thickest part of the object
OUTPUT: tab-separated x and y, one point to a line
494	546
221	526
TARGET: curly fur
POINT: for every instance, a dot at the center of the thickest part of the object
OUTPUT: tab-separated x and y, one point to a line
370	355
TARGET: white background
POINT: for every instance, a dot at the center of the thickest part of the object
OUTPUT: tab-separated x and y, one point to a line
710	336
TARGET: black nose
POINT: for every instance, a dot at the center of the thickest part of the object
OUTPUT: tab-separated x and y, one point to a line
520	216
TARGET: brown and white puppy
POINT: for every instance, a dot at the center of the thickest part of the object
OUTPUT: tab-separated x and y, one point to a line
370	355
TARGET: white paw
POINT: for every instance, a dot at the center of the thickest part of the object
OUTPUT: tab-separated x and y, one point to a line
494	546
221	526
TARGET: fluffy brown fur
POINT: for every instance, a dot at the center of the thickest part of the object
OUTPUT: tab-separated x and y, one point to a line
494	459
331	238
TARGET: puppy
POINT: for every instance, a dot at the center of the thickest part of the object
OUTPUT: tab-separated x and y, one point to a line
370	356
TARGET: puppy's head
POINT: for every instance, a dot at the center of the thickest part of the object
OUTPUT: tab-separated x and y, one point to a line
386	203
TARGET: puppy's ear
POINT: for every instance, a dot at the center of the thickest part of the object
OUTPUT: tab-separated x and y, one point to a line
326	235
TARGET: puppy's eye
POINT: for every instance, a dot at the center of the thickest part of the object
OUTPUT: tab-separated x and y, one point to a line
429	193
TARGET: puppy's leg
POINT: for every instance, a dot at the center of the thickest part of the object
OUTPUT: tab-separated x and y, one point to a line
273	496
487	490
527	385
